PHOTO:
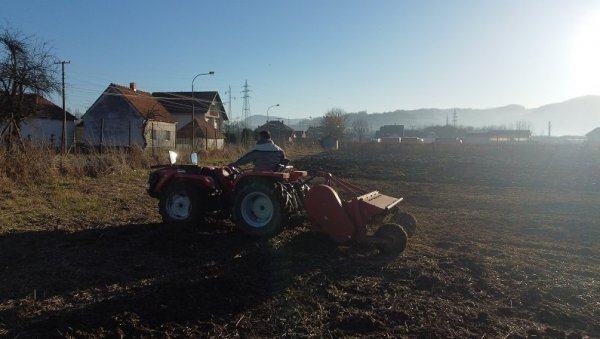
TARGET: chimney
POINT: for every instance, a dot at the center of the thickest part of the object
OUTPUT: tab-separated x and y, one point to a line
133	86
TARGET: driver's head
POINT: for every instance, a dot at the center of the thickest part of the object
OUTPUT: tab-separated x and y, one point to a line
264	135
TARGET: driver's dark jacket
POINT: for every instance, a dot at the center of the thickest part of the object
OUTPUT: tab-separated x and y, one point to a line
265	155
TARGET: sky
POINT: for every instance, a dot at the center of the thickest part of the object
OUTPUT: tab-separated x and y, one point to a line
314	55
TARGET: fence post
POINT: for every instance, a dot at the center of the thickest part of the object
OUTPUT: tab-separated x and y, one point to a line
101	135
74	145
130	134
152	136
206	137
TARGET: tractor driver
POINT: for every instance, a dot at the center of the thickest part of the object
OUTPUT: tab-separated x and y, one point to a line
265	155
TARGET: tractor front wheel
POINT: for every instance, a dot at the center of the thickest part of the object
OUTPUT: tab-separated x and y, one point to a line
258	209
393	238
179	205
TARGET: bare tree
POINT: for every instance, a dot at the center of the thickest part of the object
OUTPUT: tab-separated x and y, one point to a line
360	127
334	123
523	125
26	67
151	114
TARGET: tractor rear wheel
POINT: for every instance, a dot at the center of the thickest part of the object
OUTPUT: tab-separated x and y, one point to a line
179	205
258	209
394	238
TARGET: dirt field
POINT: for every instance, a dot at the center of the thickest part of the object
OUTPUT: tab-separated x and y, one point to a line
508	246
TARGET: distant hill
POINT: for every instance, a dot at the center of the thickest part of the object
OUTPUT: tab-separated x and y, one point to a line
576	116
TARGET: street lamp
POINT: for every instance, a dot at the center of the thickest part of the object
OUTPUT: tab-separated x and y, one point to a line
194	109
276	105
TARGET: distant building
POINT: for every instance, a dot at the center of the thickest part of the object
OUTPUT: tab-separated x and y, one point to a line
206	136
389	140
412	141
593	137
125	116
207	106
319	134
44	122
280	132
390	131
299	135
447	141
497	136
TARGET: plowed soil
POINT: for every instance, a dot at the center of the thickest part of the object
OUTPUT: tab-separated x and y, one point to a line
507	246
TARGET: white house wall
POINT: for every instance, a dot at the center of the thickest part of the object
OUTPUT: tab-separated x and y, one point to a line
163	136
46	131
214	116
112	121
113	131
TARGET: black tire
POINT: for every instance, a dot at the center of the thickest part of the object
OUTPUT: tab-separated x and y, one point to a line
394	236
179	205
258	209
408	222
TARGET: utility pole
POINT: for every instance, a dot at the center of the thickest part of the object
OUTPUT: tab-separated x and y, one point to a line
246	106
63	139
229	103
549	127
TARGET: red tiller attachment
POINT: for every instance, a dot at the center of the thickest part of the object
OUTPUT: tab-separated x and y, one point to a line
344	220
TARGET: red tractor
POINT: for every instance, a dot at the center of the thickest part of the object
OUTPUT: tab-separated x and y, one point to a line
263	203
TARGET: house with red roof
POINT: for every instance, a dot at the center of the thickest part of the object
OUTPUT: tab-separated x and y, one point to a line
209	115
206	135
280	132
126	116
43	123
206	105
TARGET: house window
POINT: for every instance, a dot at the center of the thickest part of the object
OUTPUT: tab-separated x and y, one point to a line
213	110
161	135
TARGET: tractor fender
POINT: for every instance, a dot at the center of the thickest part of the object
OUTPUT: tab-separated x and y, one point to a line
327	214
201	182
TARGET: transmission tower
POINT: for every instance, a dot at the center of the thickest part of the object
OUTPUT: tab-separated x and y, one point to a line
246	106
228	92
454	118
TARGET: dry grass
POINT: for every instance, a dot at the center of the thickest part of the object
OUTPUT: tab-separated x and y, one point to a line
39	164
73	191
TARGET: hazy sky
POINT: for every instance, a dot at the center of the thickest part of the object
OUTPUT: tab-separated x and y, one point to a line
310	56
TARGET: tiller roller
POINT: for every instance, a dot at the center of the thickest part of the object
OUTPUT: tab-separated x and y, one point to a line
348	219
